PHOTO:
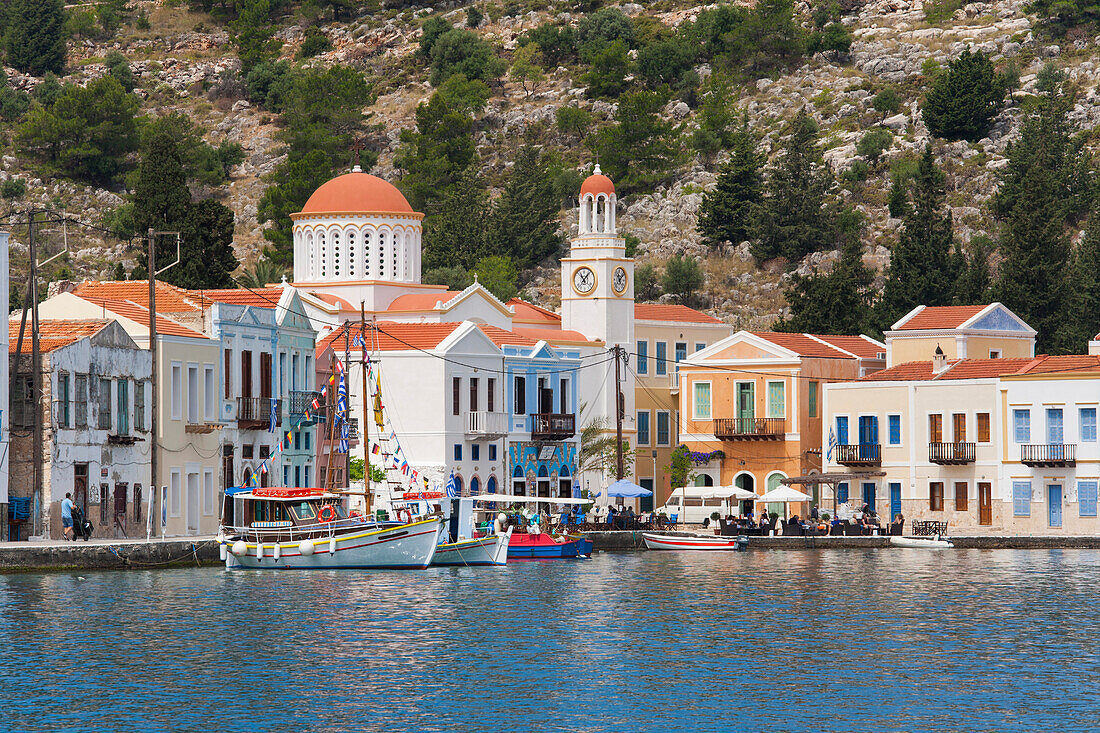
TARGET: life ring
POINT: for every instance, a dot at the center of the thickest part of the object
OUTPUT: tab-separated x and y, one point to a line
404	516
327	513
355	514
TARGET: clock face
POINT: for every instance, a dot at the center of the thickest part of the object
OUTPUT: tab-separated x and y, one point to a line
584	280
619	280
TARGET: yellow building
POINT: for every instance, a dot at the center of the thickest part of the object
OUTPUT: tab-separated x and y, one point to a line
960	332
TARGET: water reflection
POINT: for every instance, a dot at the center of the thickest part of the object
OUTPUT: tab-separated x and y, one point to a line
883	640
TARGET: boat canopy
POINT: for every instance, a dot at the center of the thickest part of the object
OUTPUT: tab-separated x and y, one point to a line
280	493
512	499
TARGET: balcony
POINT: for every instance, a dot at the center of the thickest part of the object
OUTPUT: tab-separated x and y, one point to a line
860	454
302	402
951	454
1050	455
552	426
749	428
254	413
483	424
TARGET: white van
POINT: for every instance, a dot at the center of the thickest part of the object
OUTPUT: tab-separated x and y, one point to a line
691	508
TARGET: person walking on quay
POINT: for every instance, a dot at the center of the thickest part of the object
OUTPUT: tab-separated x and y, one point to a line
67	516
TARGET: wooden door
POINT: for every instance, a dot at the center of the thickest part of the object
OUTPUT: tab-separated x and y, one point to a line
80	487
246	374
265	375
985	504
961	490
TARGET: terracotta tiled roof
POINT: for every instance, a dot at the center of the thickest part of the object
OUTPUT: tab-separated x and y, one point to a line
357	192
530	312
802	345
1068	363
334	300
140	314
864	347
170	299
500	336
390	336
53	334
553	335
267	297
421	301
670	312
945	316
956	369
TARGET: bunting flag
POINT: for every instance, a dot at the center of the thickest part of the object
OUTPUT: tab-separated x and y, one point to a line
272	426
376	449
378	402
358	341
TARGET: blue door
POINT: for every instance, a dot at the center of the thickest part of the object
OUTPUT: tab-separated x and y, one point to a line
895	500
868	437
1054	504
869	495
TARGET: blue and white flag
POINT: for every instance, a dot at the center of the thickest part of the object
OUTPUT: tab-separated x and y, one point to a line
452	487
272	425
344	436
832	444
358	340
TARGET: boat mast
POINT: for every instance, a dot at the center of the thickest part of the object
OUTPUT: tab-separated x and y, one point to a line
331	409
366	399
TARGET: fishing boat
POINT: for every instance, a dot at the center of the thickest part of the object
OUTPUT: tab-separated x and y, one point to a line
533	542
923	543
268	527
689	541
461	544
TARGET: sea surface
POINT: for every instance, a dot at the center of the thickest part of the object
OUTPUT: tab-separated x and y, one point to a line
846	640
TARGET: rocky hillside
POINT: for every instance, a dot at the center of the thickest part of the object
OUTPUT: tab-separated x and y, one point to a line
185	61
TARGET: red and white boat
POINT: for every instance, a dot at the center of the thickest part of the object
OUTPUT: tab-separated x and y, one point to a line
688	541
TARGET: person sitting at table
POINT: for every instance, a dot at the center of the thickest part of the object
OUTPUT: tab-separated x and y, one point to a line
897	524
764	519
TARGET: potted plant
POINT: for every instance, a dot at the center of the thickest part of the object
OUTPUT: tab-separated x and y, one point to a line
715	518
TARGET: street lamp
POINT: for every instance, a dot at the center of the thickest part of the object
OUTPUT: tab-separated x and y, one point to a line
654	480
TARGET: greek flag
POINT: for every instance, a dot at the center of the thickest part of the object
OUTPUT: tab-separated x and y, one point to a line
358	340
832	444
452	488
273	423
343	436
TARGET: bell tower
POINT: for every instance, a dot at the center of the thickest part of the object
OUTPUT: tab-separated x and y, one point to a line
597	278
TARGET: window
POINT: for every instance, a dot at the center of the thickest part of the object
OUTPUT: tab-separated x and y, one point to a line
1021	496
123	407
702	400
174	482
139	406
297	440
208	393
663	428
490	394
1088	424
811	393
492	453
960	496
473	394
1086	498
563	396
81	384
137	502
700	347
777	399
662	357
177	392
681	351
456	395
1055	434
958	423
104	417
893	429
935	496
842	492
520	406
282	379
228	376
286	475
643	427
208	491
193	394
1021	426
994	353
842	429
643	357
63	400
458	451
935	428
475	452
307	438
983	427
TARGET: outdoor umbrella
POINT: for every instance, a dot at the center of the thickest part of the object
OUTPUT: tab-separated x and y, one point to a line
784	494
627	490
730	492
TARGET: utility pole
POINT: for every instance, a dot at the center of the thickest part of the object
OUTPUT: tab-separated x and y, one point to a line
154	424
618	416
36	367
366	398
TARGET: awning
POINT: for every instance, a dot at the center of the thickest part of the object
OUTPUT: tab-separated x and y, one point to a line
830	478
513	499
713	492
784	494
627	489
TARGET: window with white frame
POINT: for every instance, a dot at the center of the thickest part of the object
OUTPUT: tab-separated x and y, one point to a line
175	481
777	399
208	492
1021	425
177	391
893	429
1021	498
643	427
193	394
209	393
701	402
643	357
1087	416
1086	498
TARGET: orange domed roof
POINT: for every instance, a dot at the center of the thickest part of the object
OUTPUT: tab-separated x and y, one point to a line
357	193
597	183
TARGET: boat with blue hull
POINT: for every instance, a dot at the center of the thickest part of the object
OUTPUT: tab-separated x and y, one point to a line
542	546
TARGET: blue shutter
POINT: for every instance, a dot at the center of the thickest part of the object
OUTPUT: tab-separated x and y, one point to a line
1021	420
662	356
1054	426
842	492
1088	424
895	429
643	357
842	429
1086	498
895	500
1021	498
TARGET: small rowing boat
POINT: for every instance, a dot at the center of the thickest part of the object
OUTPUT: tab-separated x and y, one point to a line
687	541
922	543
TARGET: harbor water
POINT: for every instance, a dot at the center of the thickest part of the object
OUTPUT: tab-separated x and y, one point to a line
875	640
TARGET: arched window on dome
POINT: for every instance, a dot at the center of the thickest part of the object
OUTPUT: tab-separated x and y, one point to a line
337	253
368	242
383	241
312	255
353	254
398	260
322	247
586	214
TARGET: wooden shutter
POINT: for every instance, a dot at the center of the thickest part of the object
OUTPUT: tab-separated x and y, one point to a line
983	427
959	424
961	489
246	374
490	388
935	428
265	376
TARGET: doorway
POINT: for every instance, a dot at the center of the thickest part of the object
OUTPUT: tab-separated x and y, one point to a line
748	483
1054	505
895	500
80	487
985	504
193	503
869	496
745	407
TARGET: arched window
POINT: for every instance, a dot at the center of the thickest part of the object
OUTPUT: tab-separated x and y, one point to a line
458	486
337	258
475	486
519	483
543	484
773	483
704	480
383	241
321	245
565	483
368	241
353	253
491	485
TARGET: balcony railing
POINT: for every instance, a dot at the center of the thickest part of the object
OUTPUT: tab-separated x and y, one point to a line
254	413
749	428
1052	454
859	454
484	424
951	454
301	402
553	426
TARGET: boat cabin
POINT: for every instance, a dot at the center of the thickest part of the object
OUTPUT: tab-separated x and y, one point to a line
279	508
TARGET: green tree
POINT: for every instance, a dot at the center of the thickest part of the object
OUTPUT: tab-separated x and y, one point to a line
437	153
975	279
35	36
558	43
962	103
255	33
798	216
770	37
460	51
647	284
207	259
838	301
886	102
161	197
260	273
605	26
525	68
729	213
641	148
455	234
898	200
430	31
202	162
498	275
717	118
874	143
314	43
574	121
119	67
664	62
524	222
921	271
1084	276
836	37
683	277
680	468
455	278
609	65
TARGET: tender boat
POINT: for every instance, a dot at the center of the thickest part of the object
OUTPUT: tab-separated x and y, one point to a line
310	528
923	543
689	541
543	546
462	545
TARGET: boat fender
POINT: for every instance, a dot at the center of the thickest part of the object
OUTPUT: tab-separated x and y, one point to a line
277	551
306	547
222	552
500	523
327	513
259	551
240	548
332	546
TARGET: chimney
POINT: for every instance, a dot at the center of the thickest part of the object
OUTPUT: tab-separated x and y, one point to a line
939	361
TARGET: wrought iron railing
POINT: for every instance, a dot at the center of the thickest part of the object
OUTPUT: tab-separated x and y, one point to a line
748	427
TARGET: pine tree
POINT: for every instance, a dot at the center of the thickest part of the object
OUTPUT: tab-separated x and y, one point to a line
641	148
798	216
161	197
35	36
838	301
729	212
975	279
455	234
524	223
207	259
922	269
963	102
1085	295
437	153
683	277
